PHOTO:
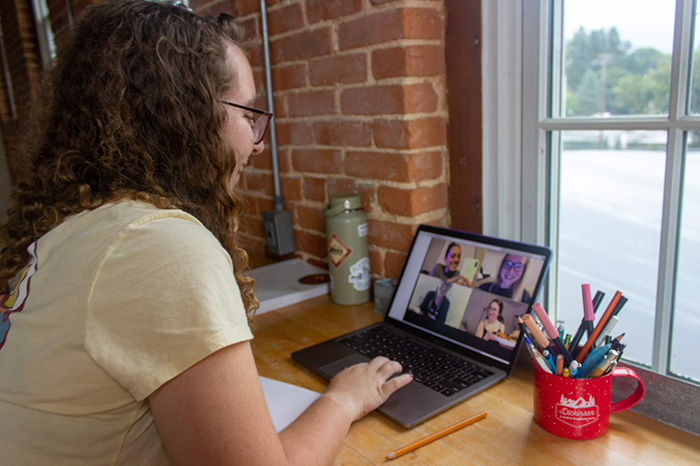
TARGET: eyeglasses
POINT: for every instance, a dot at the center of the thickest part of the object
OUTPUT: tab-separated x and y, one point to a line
261	120
517	266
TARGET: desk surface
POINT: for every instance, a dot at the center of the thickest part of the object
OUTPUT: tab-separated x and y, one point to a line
509	433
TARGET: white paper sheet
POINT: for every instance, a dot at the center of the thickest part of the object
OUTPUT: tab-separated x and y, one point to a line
285	401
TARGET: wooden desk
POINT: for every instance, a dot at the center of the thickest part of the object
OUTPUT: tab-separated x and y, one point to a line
508	435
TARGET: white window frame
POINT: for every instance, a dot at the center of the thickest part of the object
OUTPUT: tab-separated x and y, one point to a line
516	143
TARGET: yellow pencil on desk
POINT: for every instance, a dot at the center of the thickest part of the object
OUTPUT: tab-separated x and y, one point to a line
435	436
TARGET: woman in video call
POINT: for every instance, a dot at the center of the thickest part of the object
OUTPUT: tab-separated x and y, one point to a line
450	270
493	323
510	274
435	305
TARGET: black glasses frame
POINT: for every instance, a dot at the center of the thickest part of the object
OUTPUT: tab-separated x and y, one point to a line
261	123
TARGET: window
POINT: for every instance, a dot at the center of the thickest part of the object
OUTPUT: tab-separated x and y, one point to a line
611	165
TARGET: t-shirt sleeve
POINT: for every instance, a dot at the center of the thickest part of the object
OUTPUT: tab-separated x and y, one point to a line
163	299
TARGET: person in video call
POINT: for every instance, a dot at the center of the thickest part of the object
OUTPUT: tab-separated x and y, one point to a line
132	344
493	323
510	274
450	269
435	305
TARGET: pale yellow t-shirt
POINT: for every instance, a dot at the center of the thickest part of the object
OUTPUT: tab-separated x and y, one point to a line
115	302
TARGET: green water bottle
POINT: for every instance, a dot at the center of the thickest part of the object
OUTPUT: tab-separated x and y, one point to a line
348	250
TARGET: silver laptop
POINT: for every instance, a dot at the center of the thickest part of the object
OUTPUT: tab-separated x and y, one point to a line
452	321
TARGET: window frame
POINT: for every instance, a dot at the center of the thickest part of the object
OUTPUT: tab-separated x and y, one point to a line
533	207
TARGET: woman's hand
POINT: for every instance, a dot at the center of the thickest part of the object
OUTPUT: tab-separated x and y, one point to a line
459	280
362	388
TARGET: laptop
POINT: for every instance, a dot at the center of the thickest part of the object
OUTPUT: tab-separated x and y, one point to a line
452	321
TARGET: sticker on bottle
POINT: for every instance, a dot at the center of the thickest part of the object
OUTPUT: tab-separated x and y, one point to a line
359	274
362	230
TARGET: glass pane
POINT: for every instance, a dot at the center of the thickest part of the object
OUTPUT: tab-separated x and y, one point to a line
619	62
686	314
695	66
610	208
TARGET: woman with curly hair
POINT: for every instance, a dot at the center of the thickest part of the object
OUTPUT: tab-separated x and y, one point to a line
124	337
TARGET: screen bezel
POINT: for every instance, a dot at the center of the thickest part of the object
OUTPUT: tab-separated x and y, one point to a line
479	239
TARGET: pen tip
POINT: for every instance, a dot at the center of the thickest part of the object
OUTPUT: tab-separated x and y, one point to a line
390	456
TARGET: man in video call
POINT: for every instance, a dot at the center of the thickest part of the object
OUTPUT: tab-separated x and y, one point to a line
435	305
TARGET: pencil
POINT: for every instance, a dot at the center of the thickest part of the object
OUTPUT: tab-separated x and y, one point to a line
435	436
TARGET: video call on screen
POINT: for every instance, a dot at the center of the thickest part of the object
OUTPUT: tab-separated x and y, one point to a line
473	294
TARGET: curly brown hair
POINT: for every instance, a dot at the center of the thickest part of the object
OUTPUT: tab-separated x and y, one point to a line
130	112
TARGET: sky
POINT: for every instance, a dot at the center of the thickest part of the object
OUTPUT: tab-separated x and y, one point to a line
644	23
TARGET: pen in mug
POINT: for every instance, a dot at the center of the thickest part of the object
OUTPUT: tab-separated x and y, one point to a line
539	335
605	364
606	331
560	364
551	362
581	356
619	305
537	356
552	332
588	318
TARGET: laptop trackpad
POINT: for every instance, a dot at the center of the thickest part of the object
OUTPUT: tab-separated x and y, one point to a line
333	368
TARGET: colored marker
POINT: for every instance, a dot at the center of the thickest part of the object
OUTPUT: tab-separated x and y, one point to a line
581	356
536	356
588	318
537	332
560	364
552	332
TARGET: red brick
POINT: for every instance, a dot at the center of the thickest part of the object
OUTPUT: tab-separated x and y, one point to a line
262	161
391	166
376	261
291	188
344	69
317	160
389	99
285	19
425	166
289	77
393	264
315	189
294	133
224	6
367	193
255	55
310	243
320	10
311	103
250	26
389	25
391	235
340	187
302	46
342	133
377	165
263	204
311	218
284	160
246	7
261	182
414	60
410	134
412	202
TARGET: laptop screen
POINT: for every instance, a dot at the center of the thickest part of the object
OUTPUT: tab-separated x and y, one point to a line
469	289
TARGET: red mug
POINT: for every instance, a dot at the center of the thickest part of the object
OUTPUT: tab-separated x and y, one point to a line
580	409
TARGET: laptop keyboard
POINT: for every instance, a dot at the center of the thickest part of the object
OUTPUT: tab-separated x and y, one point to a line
437	370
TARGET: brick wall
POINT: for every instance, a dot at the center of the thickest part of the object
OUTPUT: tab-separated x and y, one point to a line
359	92
360	106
